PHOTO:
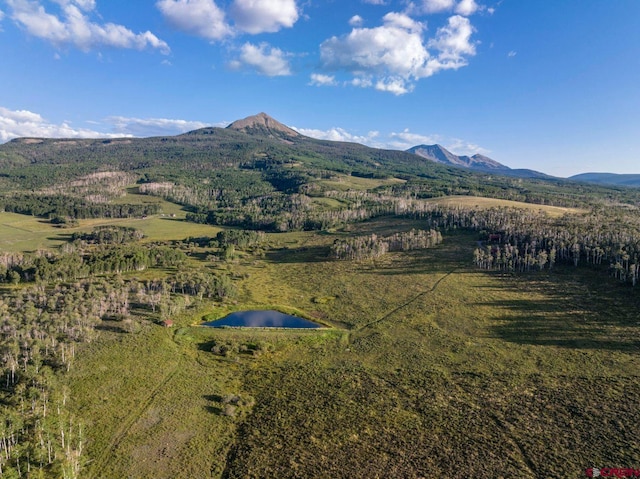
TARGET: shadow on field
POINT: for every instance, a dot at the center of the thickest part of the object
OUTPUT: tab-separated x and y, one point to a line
60	237
578	311
206	346
214	409
110	326
306	254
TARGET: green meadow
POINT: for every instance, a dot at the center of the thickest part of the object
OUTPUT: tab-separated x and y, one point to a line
431	369
30	233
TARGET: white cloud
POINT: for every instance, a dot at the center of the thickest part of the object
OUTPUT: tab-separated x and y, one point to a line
392	57
23	123
1	15
72	26
463	147
405	140
437	6
394	141
453	43
319	79
143	127
356	21
337	134
267	60
375	2
512	54
259	16
361	82
198	17
395	85
467	7
393	50
464	7
86	5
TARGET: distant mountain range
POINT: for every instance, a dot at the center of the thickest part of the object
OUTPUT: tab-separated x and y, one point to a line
440	154
354	157
608	179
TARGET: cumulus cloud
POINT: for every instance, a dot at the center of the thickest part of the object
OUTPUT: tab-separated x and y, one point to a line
354	21
204	18
361	82
467	7
319	79
72	26
394	141
463	147
463	7
392	57
259	16
338	134
395	85
24	123
453	43
406	139
198	17
263	58
143	127
393	49
437	6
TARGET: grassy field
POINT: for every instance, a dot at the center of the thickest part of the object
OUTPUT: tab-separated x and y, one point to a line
344	183
434	369
29	233
481	202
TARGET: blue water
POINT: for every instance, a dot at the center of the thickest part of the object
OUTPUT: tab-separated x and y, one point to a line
262	319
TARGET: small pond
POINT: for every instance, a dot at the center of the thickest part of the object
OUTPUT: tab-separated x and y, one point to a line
262	319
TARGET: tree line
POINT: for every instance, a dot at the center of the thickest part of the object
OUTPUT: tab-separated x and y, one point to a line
372	246
49	266
520	242
65	206
42	325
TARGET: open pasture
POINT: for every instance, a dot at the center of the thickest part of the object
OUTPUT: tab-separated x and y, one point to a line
434	369
345	182
482	202
29	233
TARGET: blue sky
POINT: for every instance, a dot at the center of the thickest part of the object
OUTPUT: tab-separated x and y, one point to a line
548	85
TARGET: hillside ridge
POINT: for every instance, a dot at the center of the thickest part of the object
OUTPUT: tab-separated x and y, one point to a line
440	154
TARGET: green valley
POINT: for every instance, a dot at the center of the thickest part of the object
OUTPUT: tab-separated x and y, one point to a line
479	325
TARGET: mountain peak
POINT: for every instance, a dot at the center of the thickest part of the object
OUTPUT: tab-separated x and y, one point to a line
440	154
263	124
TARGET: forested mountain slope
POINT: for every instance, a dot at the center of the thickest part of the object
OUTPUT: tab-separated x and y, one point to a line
254	157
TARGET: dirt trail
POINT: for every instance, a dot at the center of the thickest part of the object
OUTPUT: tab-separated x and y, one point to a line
16	228
415	298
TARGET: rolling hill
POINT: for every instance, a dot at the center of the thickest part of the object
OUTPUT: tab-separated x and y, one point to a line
257	156
608	179
465	333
